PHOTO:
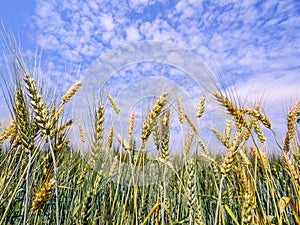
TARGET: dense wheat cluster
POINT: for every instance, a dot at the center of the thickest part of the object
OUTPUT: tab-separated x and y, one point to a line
44	180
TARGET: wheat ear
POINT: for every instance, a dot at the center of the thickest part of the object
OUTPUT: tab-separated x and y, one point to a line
258	130
110	136
228	129
246	205
240	119
156	110
191	190
201	107
165	135
292	115
69	94
23	124
7	131
86	209
98	132
261	117
188	142
130	128
81	133
42	115
222	139
41	196
113	103
179	110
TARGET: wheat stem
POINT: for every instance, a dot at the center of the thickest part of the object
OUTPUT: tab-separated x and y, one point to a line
56	181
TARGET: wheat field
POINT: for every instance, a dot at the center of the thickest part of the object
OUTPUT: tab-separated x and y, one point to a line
46	180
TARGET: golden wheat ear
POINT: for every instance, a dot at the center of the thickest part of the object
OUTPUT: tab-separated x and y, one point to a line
156	110
113	103
201	107
291	118
130	129
41	196
70	93
110	136
165	135
39	107
8	130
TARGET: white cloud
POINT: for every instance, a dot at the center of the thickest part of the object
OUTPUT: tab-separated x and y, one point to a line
138	5
107	22
132	34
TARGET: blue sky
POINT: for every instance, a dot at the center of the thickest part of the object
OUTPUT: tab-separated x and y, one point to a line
253	45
